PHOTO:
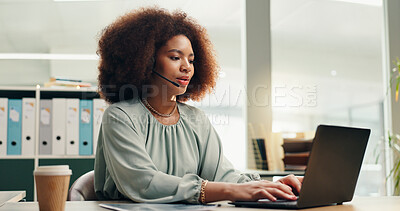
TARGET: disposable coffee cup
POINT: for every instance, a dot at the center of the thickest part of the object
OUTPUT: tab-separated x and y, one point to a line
52	186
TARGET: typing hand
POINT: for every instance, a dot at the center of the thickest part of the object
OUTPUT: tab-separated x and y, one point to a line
253	191
293	182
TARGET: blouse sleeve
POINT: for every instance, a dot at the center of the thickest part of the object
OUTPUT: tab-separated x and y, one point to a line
132	169
215	166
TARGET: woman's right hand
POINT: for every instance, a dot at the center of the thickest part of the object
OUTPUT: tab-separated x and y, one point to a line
252	191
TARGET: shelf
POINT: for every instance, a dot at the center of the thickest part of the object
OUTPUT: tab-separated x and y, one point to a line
33	88
18	88
26	164
18	92
48	157
39	93
82	93
69	89
16	157
65	156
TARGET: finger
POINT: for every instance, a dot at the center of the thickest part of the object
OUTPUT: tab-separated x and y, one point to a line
265	194
300	178
265	181
297	182
283	187
279	185
285	179
292	181
281	194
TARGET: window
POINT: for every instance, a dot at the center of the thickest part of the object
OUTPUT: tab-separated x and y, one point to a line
327	69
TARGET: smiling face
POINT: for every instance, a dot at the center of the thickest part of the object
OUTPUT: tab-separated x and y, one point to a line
174	61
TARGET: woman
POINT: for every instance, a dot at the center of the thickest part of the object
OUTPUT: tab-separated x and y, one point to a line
152	147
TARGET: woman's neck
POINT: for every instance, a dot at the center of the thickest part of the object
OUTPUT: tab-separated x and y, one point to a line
162	104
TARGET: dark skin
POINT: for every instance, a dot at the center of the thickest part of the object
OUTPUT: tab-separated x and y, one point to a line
174	60
253	191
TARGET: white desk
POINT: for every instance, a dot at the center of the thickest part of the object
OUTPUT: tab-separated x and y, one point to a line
11	196
358	204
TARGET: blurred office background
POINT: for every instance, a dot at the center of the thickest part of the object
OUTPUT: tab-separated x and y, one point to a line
326	62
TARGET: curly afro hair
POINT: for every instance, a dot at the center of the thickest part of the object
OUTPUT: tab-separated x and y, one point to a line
128	46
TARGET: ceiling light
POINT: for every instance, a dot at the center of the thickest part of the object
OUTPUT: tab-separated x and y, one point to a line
366	2
333	72
74	0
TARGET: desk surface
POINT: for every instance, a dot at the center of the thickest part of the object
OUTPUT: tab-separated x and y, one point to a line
358	204
11	196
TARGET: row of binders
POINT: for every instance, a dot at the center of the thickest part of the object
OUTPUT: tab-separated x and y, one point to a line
67	126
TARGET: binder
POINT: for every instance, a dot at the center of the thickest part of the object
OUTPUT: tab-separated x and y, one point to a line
72	126
45	125
28	126
99	106
260	153
59	123
14	127
3	125
85	127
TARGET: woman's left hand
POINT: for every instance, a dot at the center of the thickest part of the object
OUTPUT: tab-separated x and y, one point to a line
292	181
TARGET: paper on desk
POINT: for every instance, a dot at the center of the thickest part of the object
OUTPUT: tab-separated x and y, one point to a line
155	207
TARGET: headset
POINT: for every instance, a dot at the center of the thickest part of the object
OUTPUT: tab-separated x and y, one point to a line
163	77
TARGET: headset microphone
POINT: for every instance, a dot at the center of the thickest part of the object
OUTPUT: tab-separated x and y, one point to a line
174	83
154	67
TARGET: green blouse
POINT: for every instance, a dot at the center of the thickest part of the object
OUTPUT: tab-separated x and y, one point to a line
143	160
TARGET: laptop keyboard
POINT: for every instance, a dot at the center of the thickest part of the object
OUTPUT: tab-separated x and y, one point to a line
265	203
278	201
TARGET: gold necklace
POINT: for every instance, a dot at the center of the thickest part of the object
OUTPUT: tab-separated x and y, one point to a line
155	111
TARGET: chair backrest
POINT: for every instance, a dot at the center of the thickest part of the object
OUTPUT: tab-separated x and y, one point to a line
83	188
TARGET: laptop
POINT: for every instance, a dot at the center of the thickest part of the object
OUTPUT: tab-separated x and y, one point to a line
332	170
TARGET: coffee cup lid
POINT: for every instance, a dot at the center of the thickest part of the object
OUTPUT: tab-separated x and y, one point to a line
53	170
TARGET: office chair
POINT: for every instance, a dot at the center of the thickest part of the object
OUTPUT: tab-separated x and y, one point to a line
83	188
